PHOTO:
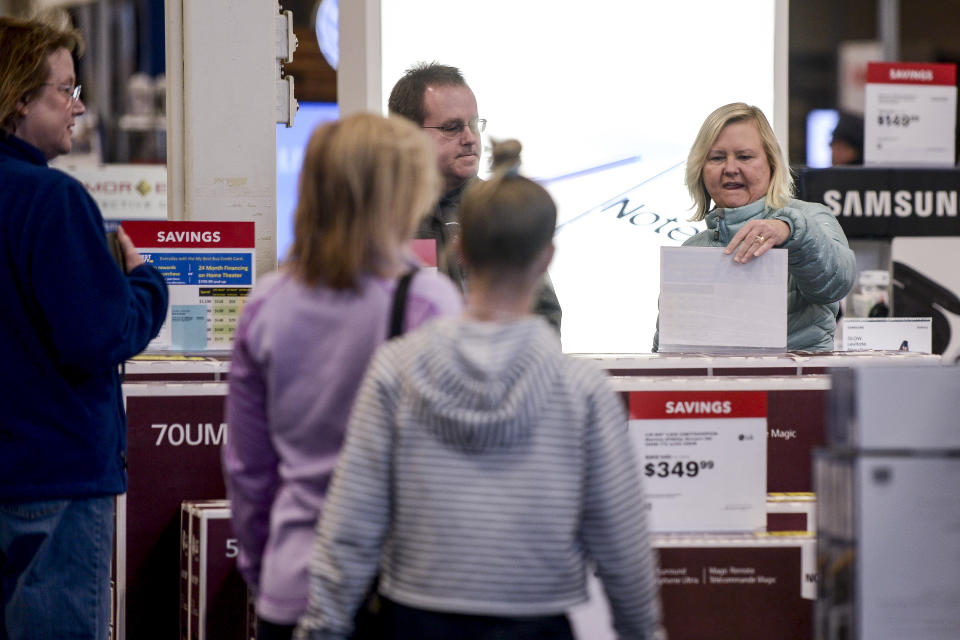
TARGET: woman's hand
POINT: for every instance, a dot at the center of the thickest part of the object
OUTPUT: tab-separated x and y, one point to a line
131	257
756	238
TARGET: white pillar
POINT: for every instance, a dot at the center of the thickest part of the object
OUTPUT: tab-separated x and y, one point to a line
221	115
359	73
888	18
781	75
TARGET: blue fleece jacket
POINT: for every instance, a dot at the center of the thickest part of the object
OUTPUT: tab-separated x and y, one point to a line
70	317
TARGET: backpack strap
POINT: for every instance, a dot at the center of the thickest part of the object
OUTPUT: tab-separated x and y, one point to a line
398	310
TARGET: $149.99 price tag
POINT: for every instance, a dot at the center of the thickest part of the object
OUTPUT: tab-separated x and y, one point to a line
910	114
896	119
704	458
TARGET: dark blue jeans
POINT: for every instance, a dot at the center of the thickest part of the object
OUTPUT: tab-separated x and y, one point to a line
399	622
55	569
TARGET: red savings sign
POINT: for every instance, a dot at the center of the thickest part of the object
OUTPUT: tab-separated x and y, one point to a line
659	405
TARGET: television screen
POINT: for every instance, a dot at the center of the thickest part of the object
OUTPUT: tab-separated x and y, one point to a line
606	98
291	143
820	125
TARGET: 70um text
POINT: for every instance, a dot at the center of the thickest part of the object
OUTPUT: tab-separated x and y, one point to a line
190	434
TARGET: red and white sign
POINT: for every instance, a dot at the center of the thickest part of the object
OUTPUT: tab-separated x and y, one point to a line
910	114
698	404
209	268
703	455
189	234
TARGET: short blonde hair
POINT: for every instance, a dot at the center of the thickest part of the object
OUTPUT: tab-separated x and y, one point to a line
781	182
365	184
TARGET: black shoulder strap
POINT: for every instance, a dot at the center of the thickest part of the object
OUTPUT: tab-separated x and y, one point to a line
399	309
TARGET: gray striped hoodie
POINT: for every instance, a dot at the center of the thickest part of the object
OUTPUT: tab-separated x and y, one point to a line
482	472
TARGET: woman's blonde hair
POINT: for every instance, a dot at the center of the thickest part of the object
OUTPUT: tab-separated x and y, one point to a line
365	184
781	182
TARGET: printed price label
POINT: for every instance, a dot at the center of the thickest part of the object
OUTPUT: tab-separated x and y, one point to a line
689	469
897	119
704	458
910	114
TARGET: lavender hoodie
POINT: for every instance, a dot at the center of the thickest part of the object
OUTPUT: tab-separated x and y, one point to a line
298	358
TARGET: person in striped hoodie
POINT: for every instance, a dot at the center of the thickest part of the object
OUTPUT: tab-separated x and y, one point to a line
484	471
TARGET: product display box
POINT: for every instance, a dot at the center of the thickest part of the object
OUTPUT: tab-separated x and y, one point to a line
888	545
174	435
213	596
748	587
877	408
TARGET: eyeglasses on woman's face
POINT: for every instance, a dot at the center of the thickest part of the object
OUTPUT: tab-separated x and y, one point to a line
71	91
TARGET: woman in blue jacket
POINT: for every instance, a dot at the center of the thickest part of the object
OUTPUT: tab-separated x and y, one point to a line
70	316
736	163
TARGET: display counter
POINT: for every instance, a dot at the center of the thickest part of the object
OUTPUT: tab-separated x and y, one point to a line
177	367
176	426
719	587
784	364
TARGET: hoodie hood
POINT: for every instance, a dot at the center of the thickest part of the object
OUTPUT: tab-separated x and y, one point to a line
483	385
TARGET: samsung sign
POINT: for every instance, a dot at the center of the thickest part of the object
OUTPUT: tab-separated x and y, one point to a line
871	202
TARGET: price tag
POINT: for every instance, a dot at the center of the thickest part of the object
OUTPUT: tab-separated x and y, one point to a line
888	334
703	455
910	114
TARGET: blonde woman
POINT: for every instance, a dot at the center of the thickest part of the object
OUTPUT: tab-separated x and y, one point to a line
736	163
306	335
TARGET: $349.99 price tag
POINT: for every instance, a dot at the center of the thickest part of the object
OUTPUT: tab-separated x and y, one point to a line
688	469
704	458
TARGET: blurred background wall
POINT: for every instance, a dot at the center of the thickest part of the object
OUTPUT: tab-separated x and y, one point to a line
125	59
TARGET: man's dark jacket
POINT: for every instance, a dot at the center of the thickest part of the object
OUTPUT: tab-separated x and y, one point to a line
441	225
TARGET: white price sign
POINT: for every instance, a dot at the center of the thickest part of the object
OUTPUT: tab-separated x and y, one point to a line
910	114
888	334
703	455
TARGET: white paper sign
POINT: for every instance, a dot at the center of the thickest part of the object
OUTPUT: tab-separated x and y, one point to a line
708	302
888	334
910	116
703	456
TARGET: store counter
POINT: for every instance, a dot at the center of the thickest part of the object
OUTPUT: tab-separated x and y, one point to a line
176	426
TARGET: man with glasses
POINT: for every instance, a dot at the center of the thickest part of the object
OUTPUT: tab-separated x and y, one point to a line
70	317
437	98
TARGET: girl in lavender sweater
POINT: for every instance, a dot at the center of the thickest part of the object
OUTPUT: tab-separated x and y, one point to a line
306	335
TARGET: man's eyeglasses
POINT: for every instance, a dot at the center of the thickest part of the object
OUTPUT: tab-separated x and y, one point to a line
67	90
453	130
